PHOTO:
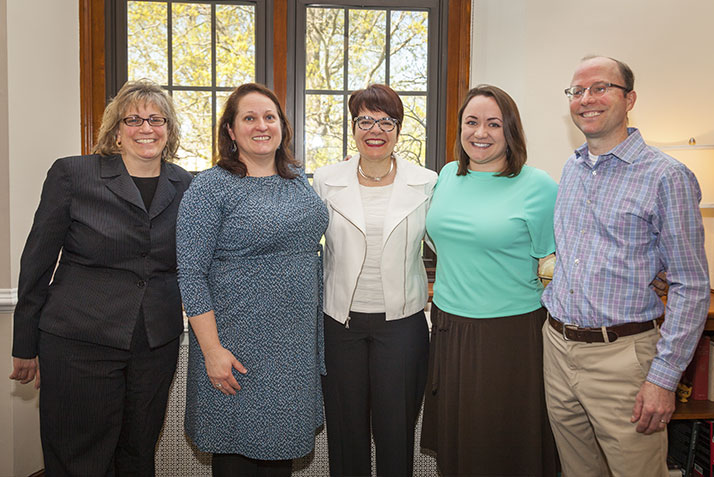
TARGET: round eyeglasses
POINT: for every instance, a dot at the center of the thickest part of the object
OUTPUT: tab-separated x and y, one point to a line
137	121
365	123
596	89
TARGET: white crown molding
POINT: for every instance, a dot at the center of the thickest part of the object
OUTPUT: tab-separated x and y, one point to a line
8	300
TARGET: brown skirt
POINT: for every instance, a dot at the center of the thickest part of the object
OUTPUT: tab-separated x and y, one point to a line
484	405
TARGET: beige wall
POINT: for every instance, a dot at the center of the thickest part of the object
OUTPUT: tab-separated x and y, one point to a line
39	121
4	160
530	49
43	82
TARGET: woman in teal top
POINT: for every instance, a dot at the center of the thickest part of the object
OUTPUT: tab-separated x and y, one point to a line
490	220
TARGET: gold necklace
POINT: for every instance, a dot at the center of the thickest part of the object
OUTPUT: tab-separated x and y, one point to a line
376	179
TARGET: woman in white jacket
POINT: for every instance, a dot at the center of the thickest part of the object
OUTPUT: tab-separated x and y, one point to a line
376	338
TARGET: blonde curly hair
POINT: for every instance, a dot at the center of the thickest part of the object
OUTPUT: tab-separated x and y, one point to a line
134	93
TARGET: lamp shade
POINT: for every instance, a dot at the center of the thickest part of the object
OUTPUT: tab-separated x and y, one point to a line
700	160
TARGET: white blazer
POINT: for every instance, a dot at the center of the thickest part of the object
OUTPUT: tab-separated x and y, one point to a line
403	276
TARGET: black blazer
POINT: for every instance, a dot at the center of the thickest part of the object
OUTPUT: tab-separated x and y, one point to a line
116	257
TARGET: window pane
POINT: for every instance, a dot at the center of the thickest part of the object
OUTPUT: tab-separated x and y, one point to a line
147	55
351	144
324	51
196	136
367	47
221	97
191	44
235	44
323	130
408	60
412	138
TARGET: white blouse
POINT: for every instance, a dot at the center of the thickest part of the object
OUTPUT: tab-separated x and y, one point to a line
369	296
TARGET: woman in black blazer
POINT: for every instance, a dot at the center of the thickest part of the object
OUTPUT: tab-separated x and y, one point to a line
104	325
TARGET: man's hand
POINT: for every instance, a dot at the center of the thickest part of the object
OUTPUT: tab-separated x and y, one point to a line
653	409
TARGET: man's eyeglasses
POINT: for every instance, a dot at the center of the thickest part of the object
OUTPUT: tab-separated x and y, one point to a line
137	121
596	89
365	123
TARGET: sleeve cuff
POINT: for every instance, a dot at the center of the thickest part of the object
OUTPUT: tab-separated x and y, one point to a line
664	375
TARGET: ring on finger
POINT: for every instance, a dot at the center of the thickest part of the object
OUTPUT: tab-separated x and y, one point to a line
218	385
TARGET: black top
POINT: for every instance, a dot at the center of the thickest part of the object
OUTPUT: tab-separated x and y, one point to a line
147	188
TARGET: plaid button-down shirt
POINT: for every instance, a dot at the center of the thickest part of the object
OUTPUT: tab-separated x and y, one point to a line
617	224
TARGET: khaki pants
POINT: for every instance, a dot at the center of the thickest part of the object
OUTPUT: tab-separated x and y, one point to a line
590	391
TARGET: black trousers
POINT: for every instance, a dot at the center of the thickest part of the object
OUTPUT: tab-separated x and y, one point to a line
376	371
102	408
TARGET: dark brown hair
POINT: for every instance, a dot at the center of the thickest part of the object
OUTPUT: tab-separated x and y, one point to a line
377	97
516	154
229	159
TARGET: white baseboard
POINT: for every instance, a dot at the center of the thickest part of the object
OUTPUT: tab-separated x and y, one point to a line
8	300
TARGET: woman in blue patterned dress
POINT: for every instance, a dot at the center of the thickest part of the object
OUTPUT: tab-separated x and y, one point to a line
248	235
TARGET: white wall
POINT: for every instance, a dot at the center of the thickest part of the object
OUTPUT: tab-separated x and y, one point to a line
530	49
43	123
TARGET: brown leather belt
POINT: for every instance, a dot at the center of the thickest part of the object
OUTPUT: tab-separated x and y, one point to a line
595	335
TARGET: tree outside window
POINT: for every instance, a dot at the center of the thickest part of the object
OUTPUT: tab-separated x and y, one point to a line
199	52
349	48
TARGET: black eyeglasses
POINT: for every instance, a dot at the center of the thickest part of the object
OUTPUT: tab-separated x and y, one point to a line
596	89
365	123
137	121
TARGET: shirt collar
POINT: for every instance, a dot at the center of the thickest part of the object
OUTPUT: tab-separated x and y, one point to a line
627	151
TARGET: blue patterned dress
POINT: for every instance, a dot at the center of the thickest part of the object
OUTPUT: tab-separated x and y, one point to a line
247	248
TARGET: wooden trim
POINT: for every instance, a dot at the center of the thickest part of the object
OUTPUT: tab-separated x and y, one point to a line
458	61
91	70
93	81
280	50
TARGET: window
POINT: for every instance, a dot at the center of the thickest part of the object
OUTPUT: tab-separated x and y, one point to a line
348	47
112	48
198	51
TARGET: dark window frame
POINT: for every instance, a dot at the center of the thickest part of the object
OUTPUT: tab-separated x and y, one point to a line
95	61
436	81
97	29
117	54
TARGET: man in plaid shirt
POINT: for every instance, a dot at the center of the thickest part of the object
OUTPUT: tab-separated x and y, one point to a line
624	212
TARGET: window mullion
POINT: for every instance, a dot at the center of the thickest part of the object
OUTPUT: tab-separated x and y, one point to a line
170	46
345	83
214	75
387	45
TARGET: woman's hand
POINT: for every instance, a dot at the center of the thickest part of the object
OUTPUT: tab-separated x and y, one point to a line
219	366
660	285
25	370
219	361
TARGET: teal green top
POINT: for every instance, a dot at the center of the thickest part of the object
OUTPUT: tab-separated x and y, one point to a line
489	233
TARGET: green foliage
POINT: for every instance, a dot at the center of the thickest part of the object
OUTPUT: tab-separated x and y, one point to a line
191	62
148	43
335	64
364	52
